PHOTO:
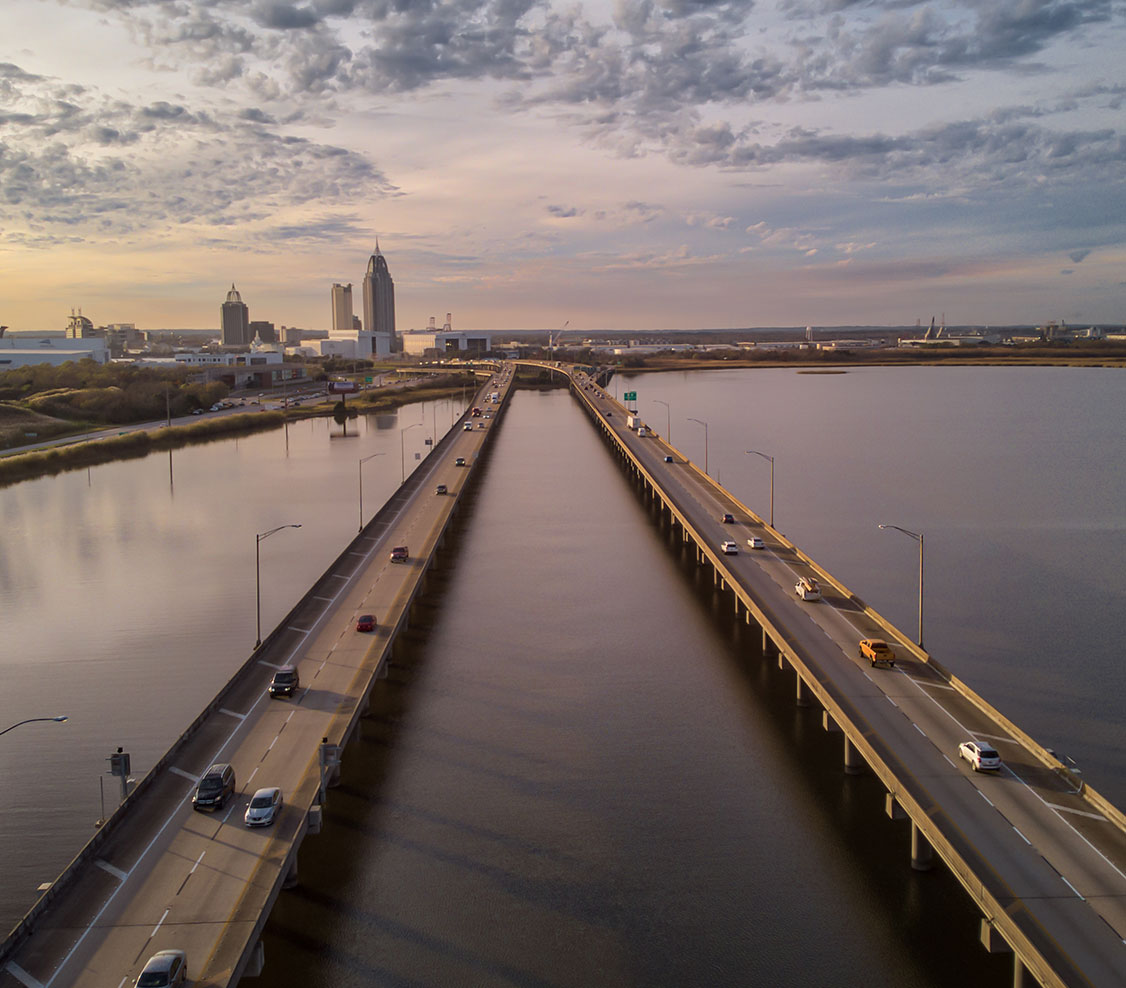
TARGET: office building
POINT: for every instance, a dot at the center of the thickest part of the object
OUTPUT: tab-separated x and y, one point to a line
342	317
379	306
235	324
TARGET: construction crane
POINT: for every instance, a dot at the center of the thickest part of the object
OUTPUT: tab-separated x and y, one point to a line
552	340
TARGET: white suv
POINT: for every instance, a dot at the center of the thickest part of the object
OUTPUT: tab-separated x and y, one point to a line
981	756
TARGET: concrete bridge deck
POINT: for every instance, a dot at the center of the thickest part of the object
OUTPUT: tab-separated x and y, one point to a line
160	875
1042	856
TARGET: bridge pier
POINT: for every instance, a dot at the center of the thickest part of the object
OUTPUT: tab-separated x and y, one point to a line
802	693
765	643
290	880
330	766
257	961
922	854
829	725
853	760
893	808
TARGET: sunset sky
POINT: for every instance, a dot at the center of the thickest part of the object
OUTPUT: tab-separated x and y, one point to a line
618	165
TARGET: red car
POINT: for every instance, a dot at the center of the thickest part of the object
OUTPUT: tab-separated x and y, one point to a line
400	554
365	622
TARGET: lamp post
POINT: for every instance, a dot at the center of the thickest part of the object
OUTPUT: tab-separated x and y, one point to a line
918	538
668	420
771	458
360	467
403	448
258	576
32	720
705	425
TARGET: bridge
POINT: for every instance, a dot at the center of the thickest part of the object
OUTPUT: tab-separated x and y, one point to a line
1041	855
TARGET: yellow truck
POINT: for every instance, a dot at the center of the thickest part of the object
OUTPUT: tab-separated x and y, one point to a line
878	652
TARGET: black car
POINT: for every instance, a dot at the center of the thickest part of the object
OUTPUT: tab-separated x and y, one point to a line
215	788
285	682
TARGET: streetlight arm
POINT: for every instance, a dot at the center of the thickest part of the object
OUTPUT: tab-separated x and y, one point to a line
32	720
266	535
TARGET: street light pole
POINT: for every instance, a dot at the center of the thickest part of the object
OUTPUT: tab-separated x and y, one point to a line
363	460
32	720
258	576
771	458
918	538
668	420
403	448
705	425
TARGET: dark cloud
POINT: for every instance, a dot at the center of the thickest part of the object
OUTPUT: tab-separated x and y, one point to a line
285	16
565	212
1077	256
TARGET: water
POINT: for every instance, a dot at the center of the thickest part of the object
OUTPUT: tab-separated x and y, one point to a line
1015	476
575	775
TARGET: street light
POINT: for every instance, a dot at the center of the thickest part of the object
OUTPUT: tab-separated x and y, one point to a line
771	458
403	447
32	720
668	420
705	425
918	538
363	460
258	576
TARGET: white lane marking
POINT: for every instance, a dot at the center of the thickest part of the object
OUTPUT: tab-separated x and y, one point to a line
122	981
1072	887
329	599
268	665
186	775
21	975
919	729
997	737
290	717
930	685
106	866
160	924
197	861
1069	809
891	701
252	774
950	763
300	631
1022	837
232	713
987	799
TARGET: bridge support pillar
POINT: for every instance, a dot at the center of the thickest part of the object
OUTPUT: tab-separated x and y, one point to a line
893	808
330	765
1021	977
316	820
781	661
992	941
290	880
828	724
765	643
801	695
257	961
922	854
854	762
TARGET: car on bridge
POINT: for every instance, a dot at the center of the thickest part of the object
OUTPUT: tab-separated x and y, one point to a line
807	588
981	756
163	969
441	489
400	554
754	542
878	652
728	518
265	805
729	548
285	682
459	462
215	788
365	622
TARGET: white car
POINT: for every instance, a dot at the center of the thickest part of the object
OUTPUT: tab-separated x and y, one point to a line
807	588
729	548
981	756
265	805
754	542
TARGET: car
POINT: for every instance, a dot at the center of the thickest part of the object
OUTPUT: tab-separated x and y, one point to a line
400	554
730	548
480	425
285	682
728	518
164	968
981	756
668	459
807	588
215	788
197	411
754	542
441	489
468	427
877	652
265	805
365	622
459	462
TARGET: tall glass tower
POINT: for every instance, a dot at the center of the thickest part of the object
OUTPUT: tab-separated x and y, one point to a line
235	320
379	305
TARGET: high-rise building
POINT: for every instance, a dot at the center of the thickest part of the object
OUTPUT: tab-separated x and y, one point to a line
379	306
235	316
264	331
78	327
342	309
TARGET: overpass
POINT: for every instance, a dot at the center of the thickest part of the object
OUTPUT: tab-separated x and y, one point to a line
158	874
1042	855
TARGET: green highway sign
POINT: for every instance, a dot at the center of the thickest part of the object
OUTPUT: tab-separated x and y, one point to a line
630	396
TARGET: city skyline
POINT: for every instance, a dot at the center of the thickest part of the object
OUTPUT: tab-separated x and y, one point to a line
633	166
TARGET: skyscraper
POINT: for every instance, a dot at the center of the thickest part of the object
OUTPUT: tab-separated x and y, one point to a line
379	305
235	318
342	308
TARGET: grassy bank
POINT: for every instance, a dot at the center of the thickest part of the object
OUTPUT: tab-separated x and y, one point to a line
47	462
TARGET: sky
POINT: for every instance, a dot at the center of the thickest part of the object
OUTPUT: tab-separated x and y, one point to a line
630	165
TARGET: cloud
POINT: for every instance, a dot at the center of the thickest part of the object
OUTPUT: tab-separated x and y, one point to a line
1078	255
564	212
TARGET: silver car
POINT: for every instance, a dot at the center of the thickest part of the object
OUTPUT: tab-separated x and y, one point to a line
264	807
163	969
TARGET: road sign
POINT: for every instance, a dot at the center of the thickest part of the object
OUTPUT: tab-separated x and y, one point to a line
630	396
